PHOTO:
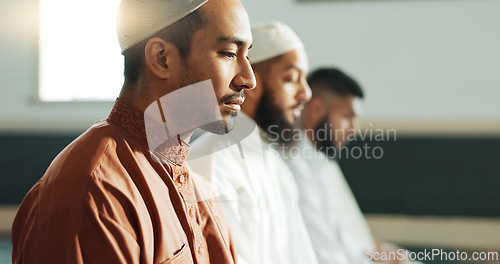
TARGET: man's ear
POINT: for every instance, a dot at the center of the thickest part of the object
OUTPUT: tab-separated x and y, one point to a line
161	58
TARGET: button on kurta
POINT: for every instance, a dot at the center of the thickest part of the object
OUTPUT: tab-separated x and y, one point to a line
191	212
182	178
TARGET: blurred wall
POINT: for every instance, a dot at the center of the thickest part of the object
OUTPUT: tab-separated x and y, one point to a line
417	59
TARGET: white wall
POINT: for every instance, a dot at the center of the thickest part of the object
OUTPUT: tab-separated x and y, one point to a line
416	59
436	59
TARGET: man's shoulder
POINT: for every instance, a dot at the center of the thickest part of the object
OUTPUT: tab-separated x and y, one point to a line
81	169
86	151
75	194
101	146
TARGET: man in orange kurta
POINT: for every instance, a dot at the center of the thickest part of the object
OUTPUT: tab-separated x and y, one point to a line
109	197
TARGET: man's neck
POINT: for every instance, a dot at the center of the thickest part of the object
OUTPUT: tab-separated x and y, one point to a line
133	94
247	112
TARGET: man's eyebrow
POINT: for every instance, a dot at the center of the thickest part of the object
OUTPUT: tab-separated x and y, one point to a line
293	67
233	39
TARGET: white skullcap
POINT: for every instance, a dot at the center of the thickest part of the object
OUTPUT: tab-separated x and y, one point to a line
271	40
139	19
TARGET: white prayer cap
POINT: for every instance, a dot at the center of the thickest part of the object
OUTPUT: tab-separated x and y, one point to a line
271	40
139	19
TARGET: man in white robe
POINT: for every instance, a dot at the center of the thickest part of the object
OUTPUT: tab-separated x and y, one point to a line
334	222
336	225
254	185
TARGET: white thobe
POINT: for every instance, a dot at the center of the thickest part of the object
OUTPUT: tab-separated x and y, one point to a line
258	195
337	228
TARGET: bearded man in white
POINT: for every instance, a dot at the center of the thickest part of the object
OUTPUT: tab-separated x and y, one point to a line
254	185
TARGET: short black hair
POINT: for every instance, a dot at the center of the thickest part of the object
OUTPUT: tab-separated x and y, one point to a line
335	81
179	34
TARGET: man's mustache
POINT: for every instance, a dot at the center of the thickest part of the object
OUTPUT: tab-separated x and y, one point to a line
233	96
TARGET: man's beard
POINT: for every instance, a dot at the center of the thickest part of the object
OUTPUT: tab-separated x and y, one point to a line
325	144
219	127
268	114
225	125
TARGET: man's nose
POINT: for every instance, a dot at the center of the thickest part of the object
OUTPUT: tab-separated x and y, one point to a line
245	78
304	91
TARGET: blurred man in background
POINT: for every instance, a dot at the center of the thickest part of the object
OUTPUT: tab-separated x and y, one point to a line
336	225
256	188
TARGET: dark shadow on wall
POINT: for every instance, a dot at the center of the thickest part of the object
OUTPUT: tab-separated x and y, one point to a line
428	176
23	161
415	176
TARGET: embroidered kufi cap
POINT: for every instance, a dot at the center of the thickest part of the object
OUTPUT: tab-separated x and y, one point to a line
272	39
139	19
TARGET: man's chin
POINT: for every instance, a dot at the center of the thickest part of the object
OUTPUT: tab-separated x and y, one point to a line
229	123
230	120
291	119
222	126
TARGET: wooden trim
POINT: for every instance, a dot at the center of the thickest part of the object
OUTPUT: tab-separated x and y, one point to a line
462	128
413	128
437	232
7	215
